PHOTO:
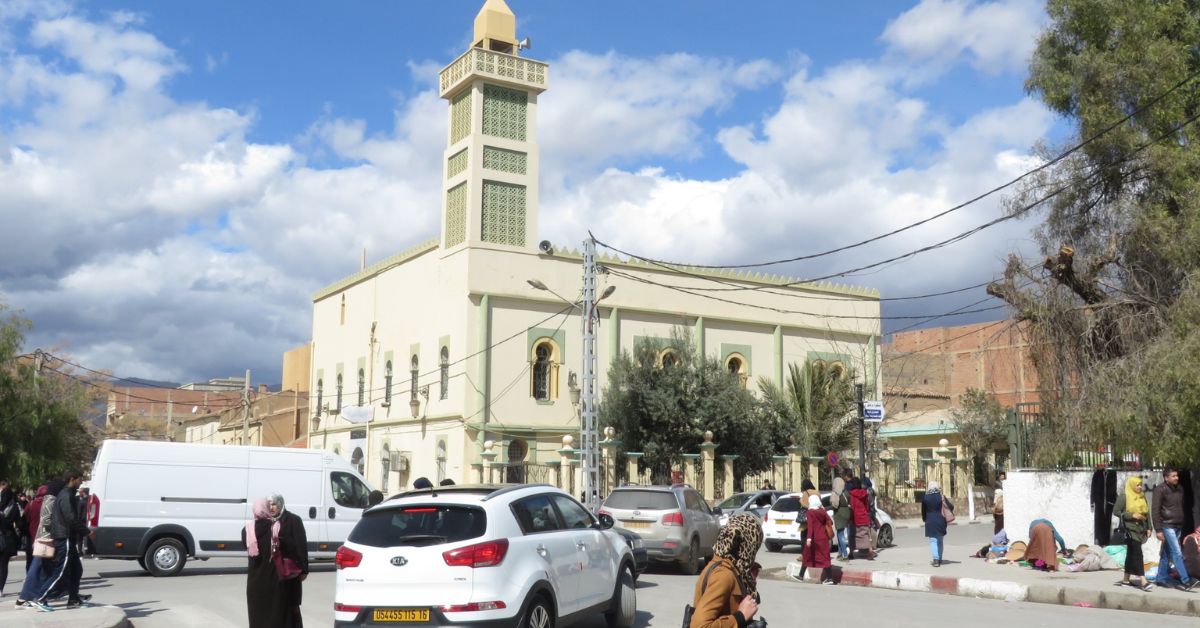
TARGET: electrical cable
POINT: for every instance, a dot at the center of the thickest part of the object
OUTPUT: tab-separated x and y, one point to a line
1061	156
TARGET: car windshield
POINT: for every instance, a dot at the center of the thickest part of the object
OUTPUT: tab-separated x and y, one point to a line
735	502
419	526
787	504
642	500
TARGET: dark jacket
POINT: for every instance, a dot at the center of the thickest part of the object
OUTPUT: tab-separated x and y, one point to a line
931	514
66	520
1167	507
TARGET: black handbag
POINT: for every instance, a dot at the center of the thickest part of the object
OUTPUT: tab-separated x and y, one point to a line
1119	536
688	610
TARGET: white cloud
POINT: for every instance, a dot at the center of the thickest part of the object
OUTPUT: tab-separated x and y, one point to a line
993	37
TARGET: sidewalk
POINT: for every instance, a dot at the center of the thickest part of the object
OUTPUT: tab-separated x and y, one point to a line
909	569
95	617
905	524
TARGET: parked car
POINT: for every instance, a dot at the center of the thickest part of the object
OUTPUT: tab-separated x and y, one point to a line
517	555
781	526
641	559
756	503
674	521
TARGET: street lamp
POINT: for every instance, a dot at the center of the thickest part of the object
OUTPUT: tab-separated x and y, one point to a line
415	406
573	388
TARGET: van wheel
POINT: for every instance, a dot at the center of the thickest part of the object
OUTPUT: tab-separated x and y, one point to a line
539	614
623	607
165	557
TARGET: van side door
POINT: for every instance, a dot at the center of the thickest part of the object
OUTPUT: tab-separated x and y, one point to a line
345	498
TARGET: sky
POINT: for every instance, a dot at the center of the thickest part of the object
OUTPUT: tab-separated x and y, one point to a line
178	178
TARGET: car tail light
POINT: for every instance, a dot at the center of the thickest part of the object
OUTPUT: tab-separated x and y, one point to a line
94	510
347	558
673	519
473	606
338	607
487	554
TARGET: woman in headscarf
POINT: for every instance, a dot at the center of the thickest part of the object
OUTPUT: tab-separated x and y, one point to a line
1132	510
10	535
816	541
860	507
935	522
839	503
726	594
1042	538
274	535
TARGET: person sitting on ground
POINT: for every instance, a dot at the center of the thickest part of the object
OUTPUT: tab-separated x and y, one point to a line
1191	551
1133	511
1042	538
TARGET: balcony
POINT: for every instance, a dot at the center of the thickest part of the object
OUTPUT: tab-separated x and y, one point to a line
503	68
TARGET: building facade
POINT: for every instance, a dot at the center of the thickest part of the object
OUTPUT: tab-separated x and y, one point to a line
425	358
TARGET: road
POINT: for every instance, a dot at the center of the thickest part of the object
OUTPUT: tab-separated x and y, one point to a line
212	595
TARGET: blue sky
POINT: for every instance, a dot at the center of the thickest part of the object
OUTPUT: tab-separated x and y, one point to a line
188	158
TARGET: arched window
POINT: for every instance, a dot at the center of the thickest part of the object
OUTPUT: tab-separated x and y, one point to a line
441	461
414	366
515	472
342	314
387	384
668	358
543	370
320	395
362	387
385	465
338	400
739	367
358	460
444	367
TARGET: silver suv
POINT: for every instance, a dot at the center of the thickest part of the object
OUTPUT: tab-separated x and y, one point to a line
674	522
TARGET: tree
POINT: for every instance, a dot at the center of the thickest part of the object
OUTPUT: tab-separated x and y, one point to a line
981	422
663	396
814	410
41	431
1112	307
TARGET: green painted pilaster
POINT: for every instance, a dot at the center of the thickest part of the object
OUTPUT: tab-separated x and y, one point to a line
779	355
484	335
614	333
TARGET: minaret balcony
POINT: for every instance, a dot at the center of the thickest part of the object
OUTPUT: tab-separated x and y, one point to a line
503	68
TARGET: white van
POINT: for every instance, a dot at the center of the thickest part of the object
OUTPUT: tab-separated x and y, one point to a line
161	502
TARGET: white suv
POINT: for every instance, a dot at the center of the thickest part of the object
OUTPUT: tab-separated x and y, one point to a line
525	555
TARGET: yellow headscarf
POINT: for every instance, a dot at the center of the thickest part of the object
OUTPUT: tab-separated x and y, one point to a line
1135	501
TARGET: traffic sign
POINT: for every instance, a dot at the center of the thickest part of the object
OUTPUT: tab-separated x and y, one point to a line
832	458
873	411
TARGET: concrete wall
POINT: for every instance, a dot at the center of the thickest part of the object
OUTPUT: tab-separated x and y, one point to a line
1063	498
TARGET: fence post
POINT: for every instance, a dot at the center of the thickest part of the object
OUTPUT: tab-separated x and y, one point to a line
489	461
556	469
564	458
708	451
689	468
779	473
728	461
477	469
634	475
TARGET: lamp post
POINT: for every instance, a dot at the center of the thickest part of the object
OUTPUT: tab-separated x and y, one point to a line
415	406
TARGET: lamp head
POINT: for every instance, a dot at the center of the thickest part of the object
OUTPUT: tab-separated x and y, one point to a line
415	406
537	285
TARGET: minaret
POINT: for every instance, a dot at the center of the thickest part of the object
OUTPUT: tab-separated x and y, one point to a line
491	159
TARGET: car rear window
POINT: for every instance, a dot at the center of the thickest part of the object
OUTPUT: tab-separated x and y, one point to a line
642	500
419	526
787	504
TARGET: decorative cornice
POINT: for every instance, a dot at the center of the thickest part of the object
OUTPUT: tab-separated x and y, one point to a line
375	269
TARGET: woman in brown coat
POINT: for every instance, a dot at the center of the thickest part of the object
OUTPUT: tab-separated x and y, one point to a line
726	595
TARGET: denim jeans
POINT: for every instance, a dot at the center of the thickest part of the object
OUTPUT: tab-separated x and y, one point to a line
843	542
39	572
935	547
1171	552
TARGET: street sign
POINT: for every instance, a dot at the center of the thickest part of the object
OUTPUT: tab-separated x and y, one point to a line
873	411
832	458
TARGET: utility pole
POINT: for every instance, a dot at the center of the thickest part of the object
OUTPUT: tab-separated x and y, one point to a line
862	437
591	462
246	409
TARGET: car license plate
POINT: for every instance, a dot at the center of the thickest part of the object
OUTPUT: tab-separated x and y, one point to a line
783	522
636	524
400	615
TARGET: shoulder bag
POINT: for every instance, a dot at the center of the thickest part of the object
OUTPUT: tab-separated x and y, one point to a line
688	610
947	511
42	549
285	568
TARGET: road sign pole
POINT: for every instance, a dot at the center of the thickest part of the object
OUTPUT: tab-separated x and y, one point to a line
862	436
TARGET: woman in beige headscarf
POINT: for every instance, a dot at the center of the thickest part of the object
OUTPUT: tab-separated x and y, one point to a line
726	593
275	538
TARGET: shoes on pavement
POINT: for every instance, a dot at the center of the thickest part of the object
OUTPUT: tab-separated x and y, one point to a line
78	604
1191	584
828	581
41	606
1145	586
23	604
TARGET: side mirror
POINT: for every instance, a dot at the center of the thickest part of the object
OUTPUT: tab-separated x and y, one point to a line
716	511
606	521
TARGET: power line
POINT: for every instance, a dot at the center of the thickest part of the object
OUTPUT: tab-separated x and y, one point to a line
946	341
1061	156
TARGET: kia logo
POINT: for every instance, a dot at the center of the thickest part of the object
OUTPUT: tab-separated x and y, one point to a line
399	561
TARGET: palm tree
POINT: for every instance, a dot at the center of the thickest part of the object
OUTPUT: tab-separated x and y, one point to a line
816	406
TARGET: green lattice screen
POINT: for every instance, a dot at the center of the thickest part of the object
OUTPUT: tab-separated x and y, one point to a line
504	112
456	215
503	213
456	164
504	160
460	116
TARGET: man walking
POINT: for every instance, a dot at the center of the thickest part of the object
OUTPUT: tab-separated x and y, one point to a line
1167	514
68	528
